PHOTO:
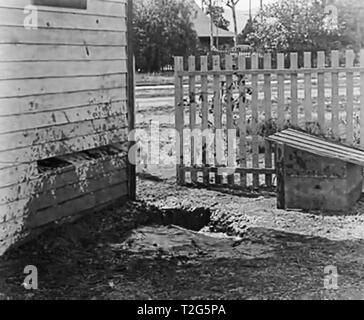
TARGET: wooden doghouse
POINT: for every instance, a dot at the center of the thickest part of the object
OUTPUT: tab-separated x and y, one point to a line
66	110
315	174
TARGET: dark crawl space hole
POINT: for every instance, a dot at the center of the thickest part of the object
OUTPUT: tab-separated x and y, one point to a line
194	220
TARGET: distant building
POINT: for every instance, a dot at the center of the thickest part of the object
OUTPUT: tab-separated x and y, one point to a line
202	26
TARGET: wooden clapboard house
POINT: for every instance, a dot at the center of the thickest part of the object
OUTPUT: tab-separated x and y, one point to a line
66	108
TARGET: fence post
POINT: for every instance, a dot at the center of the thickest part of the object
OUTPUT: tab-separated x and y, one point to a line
335	94
193	109
308	88
255	120
294	88
321	105
242	119
268	114
350	97
219	139
362	99
205	117
231	132
281	94
179	119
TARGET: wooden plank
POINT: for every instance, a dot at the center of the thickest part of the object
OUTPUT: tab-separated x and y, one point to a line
219	135
59	179
62	101
35	122
20	35
326	144
94	7
350	98
231	131
205	114
281	202
54	149
179	118
52	20
321	104
131	170
21	139
27	173
268	115
255	120
274	71
52	198
242	121
316	148
335	94
362	100
308	88
78	205
58	69
26	87
281	95
33	52
192	111
294	89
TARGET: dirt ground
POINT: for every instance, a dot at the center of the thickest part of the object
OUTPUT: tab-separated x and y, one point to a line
275	254
151	248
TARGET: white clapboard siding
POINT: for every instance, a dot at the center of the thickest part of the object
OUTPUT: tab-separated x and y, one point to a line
96	7
63	90
36	52
63	101
58	69
19	35
49	20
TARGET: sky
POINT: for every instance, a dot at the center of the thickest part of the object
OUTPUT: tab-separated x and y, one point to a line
244	4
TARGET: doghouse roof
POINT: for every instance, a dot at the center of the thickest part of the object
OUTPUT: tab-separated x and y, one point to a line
319	146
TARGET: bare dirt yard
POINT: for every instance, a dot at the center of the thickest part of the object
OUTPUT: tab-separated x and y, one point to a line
188	243
150	249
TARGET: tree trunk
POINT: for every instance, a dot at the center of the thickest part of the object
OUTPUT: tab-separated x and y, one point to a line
233	9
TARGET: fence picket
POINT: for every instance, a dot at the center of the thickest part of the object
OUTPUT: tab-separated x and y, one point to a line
281	77
308	88
255	120
294	89
231	132
242	121
205	116
335	94
179	119
193	109
219	139
321	105
268	115
362	100
350	98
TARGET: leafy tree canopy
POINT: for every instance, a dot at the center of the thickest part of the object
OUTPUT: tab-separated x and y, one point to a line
295	25
162	29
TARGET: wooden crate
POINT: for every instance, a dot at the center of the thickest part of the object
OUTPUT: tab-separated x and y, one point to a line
315	174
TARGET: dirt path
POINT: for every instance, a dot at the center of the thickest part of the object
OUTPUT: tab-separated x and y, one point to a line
281	255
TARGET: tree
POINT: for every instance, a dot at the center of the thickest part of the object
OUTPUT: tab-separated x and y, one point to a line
217	15
294	25
162	29
232	5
